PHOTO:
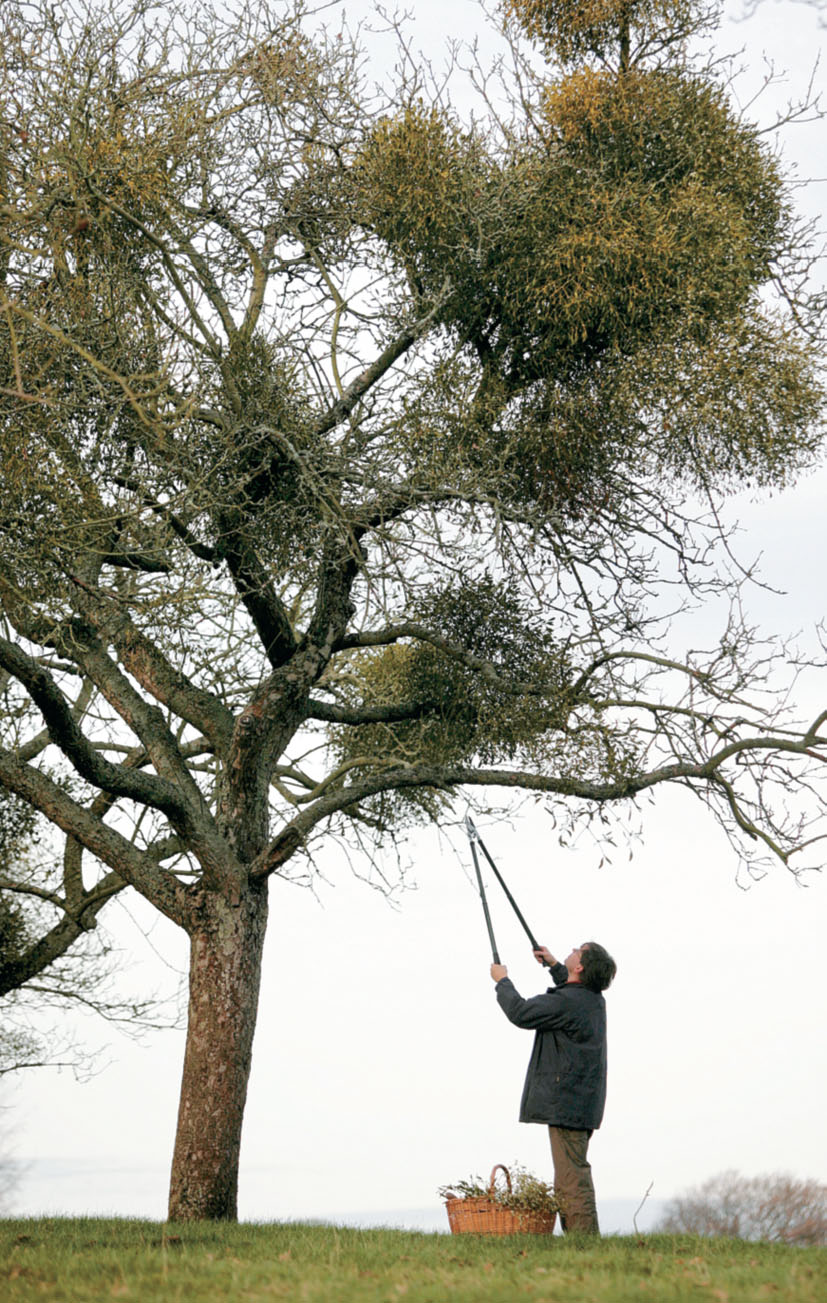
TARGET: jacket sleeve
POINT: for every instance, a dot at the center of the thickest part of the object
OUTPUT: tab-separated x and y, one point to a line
540	1013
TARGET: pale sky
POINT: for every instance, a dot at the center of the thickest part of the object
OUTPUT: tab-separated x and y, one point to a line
383	1067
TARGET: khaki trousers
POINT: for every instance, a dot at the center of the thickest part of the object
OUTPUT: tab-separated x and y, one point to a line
573	1179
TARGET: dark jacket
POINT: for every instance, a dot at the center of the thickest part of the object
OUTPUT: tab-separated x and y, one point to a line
565	1085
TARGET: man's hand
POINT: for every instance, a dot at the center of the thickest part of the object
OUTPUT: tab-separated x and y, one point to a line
498	972
544	956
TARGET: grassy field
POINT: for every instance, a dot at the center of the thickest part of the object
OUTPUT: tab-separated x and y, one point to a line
81	1259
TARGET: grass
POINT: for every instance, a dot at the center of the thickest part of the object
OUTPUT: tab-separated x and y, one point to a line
80	1259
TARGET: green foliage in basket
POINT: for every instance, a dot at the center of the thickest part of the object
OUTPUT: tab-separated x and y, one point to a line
528	1193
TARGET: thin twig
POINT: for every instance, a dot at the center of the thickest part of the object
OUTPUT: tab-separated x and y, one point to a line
640	1205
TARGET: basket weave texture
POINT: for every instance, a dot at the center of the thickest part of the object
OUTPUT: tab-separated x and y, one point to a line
483	1215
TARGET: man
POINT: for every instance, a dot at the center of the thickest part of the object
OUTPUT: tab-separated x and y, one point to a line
565	1086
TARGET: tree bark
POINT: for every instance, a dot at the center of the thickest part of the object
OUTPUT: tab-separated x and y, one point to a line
226	942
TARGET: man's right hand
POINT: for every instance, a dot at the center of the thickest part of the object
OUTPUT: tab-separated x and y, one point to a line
544	956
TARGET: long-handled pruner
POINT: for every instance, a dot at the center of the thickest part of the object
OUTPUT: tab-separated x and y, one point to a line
474	837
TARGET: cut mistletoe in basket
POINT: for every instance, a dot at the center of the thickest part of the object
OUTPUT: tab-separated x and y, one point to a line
526	1206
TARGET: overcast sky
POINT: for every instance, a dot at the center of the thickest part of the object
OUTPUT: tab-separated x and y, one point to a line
383	1067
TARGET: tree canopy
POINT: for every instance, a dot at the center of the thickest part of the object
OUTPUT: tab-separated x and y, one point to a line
355	455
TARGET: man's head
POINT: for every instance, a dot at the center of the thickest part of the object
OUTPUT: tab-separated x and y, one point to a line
591	965
597	968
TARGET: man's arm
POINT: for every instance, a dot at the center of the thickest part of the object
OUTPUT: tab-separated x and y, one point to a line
540	1013
559	972
544	956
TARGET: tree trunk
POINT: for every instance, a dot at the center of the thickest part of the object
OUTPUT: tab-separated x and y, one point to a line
225	970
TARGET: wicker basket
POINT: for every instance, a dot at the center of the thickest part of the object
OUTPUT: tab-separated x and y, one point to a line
483	1215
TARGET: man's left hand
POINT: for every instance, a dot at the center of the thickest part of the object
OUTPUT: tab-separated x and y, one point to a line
498	972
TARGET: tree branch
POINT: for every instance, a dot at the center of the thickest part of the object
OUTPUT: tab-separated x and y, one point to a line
154	672
291	837
412	629
357	389
65	733
356	715
58	940
256	591
139	870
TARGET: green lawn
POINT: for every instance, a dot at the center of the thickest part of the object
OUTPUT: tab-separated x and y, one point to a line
84	1258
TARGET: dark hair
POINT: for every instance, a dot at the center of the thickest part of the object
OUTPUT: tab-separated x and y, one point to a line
598	966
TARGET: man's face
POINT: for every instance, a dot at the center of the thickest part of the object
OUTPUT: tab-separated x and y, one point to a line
574	961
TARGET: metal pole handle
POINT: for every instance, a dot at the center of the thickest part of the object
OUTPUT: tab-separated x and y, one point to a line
474	836
471	837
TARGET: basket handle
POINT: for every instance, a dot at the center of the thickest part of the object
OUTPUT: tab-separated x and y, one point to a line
498	1167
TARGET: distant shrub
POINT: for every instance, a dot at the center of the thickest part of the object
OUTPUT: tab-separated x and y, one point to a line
776	1207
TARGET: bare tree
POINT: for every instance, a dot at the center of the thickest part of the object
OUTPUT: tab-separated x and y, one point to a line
50	960
776	1207
350	455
